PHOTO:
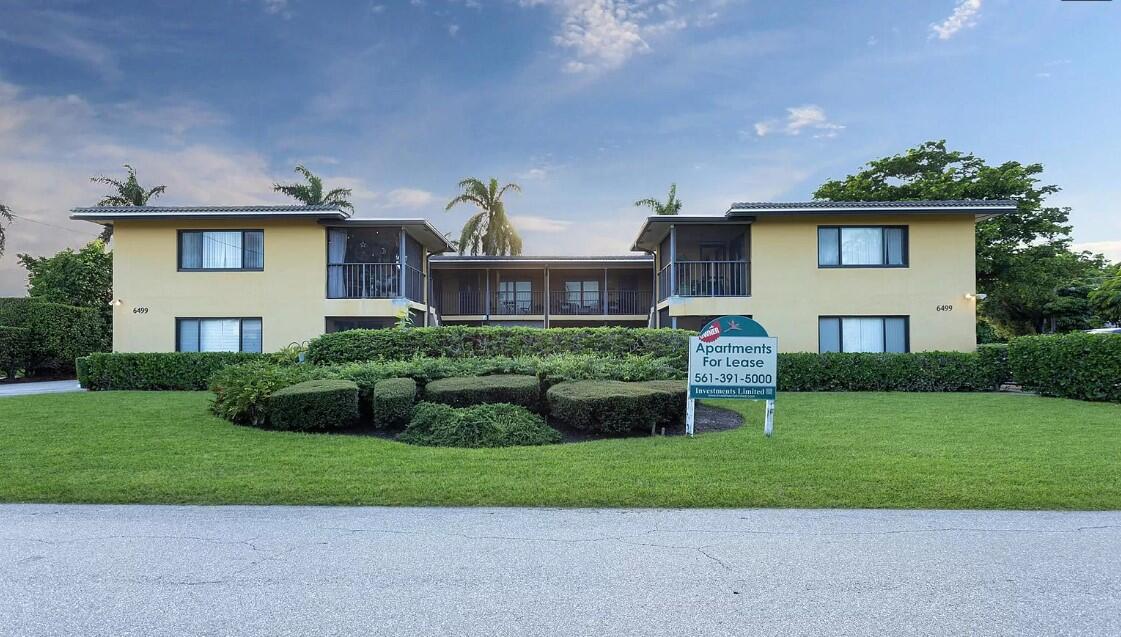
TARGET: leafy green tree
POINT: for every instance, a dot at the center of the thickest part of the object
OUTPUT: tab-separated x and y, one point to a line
1106	298
5	216
1045	290
1022	258
671	206
128	193
83	277
489	231
311	192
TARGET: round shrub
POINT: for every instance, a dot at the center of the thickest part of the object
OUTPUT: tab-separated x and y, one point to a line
606	406
497	425
671	401
392	401
465	391
315	404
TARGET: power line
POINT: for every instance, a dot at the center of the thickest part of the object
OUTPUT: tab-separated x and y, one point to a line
44	223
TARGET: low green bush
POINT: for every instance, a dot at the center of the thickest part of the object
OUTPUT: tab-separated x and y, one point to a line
479	390
461	341
606	406
920	371
494	425
392	402
241	392
57	334
15	350
1076	365
314	405
162	371
671	402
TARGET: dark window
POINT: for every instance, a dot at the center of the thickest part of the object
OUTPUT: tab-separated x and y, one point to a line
861	246
863	334
218	335
221	250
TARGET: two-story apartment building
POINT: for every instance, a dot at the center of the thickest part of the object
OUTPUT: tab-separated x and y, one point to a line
822	276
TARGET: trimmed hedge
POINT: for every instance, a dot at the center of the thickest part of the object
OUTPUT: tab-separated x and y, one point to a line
392	402
607	406
458	341
15	350
315	404
1076	365
57	334
185	371
479	390
496	425
241	391
919	371
671	402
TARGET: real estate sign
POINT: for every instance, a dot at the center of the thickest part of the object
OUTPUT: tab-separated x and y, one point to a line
733	357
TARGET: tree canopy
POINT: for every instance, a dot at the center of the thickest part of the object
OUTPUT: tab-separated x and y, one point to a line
489	231
126	193
5	218
671	206
311	193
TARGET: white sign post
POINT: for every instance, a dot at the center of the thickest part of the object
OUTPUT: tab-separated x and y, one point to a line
733	357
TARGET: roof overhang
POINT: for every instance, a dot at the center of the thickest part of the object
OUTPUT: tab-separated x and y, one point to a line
468	262
655	228
420	229
107	215
980	209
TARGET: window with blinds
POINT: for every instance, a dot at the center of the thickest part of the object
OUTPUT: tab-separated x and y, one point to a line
203	250
218	335
863	334
862	246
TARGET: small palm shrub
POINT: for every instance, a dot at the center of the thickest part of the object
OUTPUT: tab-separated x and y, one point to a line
494	425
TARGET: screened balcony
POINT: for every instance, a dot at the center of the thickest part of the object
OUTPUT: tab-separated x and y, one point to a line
374	263
704	260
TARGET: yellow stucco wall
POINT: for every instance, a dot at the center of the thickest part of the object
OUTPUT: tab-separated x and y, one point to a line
789	291
289	295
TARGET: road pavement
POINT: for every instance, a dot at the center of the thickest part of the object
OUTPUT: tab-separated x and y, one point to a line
170	570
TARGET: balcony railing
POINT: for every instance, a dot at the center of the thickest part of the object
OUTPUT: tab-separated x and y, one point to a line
561	303
373	281
518	303
611	302
705	278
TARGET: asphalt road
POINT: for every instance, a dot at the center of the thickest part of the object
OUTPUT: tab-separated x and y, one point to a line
148	570
40	387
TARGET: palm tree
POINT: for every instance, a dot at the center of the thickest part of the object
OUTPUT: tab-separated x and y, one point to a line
129	193
5	215
489	231
311	193
672	205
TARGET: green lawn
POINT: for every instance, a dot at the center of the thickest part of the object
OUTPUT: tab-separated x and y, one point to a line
829	450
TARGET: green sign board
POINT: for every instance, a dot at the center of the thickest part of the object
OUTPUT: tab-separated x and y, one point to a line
733	357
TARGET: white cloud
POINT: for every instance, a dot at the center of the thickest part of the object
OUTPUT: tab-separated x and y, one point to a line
1111	249
602	35
809	117
409	198
277	7
964	16
453	29
530	223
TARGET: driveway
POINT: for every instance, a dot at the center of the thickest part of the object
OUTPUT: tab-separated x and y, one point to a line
42	387
151	570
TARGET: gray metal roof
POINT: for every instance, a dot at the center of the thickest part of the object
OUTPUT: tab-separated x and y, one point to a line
963	205
189	209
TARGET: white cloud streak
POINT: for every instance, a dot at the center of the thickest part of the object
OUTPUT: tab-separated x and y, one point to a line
964	17
809	117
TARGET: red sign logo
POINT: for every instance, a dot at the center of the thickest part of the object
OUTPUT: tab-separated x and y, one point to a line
711	334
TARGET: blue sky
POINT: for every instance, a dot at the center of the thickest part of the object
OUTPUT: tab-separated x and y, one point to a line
588	104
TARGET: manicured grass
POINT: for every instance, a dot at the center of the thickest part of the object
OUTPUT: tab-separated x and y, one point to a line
829	450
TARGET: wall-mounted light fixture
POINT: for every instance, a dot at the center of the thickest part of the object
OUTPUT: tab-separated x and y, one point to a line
980	297
116	302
